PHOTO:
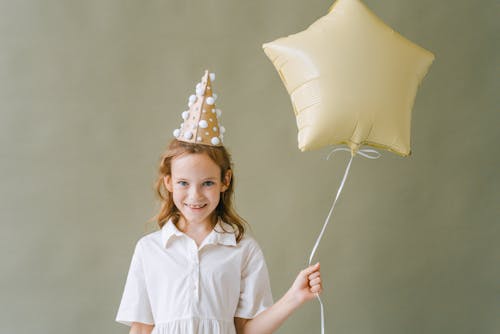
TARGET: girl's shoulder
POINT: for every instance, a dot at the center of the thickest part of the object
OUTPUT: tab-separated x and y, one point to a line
149	240
249	244
248	240
227	236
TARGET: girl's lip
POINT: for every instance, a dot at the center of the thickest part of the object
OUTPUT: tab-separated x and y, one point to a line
195	206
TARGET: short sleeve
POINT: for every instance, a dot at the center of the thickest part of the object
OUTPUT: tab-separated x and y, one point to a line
255	288
135	305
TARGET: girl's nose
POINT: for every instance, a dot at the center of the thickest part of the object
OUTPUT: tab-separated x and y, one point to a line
195	192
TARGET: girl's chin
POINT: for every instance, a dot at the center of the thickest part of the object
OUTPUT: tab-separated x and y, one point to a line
196	218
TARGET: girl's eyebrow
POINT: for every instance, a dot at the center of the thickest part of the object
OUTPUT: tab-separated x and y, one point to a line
180	178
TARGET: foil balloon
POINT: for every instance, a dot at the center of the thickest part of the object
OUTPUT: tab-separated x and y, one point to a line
352	80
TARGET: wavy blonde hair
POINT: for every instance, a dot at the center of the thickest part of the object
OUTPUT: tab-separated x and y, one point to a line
222	158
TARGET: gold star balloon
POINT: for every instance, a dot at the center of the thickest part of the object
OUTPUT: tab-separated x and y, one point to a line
352	80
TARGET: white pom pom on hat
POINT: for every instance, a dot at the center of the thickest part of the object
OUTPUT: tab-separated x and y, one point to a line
210	100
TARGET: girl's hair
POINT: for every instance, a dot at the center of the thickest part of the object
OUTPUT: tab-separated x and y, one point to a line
222	158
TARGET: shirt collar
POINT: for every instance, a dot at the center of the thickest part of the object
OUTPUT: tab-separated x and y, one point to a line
222	234
168	231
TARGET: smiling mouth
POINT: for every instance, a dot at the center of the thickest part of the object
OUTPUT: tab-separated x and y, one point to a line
195	206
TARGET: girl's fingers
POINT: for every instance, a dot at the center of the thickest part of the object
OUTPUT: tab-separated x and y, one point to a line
309	270
316	289
314	275
315	281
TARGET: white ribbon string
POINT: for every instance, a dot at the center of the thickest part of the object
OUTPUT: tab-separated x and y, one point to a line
322	314
331	208
367	153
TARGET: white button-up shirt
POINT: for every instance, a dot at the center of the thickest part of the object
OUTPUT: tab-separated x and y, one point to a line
182	288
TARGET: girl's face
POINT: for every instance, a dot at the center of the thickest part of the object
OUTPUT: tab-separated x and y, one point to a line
195	184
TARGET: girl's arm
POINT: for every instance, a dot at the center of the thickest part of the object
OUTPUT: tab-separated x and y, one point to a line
140	328
305	287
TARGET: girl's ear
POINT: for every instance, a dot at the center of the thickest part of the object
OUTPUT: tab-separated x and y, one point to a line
227	180
167	180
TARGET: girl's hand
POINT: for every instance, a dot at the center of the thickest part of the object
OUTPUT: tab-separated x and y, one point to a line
307	284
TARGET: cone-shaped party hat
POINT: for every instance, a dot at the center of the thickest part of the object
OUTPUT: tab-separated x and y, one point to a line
201	123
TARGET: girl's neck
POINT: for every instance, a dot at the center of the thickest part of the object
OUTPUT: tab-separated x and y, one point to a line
196	230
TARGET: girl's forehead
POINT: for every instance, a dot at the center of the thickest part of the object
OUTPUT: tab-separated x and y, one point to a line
194	163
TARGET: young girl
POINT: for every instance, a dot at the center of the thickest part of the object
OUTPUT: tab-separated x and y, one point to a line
200	273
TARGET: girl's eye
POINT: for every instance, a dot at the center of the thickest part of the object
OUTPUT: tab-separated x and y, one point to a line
208	183
182	183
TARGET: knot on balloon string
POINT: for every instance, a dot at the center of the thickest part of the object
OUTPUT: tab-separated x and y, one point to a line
364	152
367	153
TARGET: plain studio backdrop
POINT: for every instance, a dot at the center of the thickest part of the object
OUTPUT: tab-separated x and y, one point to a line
90	92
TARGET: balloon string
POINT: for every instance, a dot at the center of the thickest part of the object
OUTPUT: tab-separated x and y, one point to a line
322	314
367	153
331	210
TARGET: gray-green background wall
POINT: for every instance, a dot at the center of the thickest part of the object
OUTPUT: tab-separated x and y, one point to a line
90	92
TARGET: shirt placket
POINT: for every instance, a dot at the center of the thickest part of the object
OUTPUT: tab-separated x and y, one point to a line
195	275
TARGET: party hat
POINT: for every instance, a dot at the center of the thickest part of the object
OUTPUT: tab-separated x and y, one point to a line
201	123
